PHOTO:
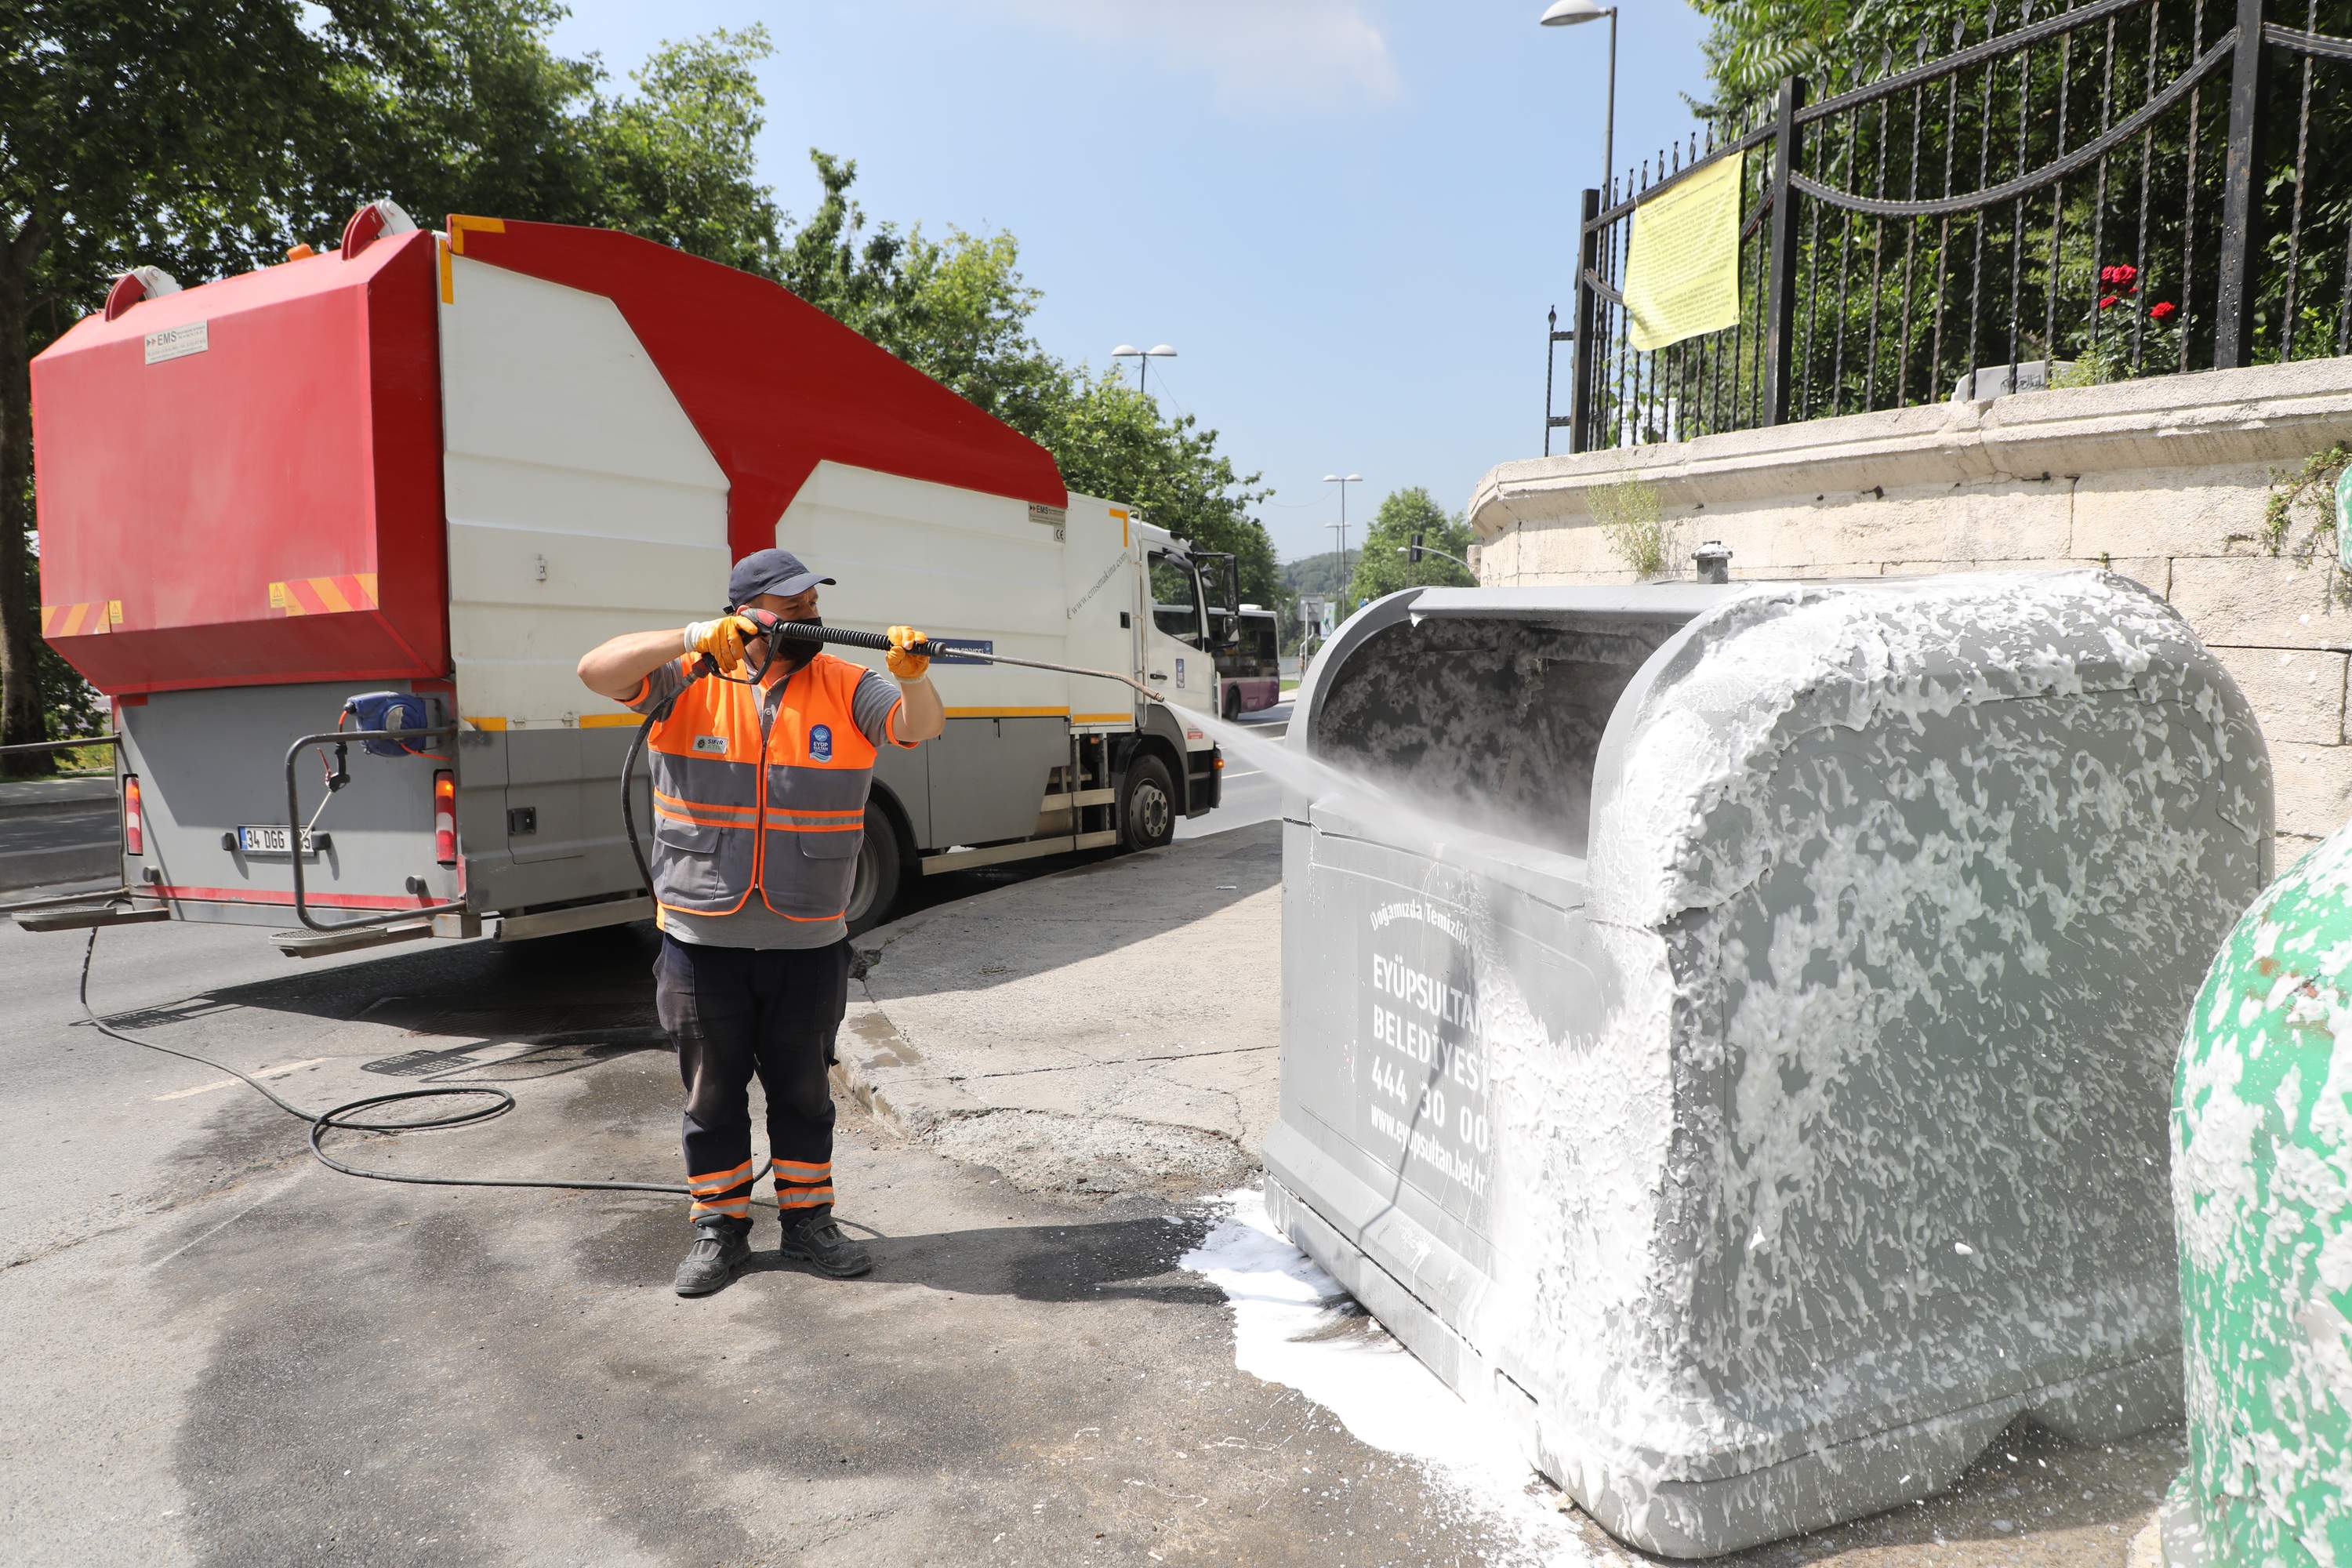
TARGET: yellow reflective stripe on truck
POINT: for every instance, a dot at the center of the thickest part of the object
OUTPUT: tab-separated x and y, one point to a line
492	722
80	620
324	595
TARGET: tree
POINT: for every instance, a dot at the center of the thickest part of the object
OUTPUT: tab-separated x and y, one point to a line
1403	513
957	310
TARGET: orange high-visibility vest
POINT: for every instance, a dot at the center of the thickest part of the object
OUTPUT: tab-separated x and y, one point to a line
728	819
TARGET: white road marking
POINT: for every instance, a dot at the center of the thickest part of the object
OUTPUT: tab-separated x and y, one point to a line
1243	773
259	1072
232	1220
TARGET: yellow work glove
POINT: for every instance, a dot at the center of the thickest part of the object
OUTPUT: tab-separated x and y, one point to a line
722	640
904	665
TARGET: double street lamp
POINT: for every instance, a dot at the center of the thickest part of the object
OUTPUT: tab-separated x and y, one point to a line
1142	358
1343	481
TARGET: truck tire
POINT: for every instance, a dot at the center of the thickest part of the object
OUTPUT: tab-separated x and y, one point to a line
881	871
1147	804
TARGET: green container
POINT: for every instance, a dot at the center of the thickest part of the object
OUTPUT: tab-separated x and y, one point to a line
2262	1185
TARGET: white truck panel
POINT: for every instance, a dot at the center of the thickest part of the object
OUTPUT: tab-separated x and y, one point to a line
960	563
1098	578
582	503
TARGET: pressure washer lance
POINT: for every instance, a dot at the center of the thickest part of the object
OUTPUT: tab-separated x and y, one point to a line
756	670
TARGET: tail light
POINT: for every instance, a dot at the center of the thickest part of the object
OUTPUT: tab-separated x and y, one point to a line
444	817
134	826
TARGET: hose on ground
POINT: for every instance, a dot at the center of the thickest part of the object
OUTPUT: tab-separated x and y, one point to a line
339	1118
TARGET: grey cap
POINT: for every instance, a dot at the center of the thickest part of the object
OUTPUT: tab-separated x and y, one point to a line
769	572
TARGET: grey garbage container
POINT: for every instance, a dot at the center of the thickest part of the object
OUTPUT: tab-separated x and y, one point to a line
1734	1042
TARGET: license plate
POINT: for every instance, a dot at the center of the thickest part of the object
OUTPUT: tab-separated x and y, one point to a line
271	840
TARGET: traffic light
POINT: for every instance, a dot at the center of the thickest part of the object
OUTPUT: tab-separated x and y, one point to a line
1412	552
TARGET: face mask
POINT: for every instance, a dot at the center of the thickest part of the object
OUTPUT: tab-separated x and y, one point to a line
792	653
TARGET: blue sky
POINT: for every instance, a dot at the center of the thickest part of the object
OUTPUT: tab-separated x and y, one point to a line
1347	215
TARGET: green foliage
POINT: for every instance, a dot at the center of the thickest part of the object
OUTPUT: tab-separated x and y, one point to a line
1403	513
462	106
2310	490
1752	43
1315	574
1628	514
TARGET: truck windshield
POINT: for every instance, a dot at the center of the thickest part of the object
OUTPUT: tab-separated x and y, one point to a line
1176	607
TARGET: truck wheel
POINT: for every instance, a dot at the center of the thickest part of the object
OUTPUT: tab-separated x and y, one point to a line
874	895
1147	805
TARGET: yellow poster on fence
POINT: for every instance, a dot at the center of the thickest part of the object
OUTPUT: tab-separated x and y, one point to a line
1682	266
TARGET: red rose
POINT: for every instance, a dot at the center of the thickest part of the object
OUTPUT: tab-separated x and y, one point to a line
2160	310
2108	302
2125	274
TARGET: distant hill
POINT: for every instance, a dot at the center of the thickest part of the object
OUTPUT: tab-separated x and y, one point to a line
1315	574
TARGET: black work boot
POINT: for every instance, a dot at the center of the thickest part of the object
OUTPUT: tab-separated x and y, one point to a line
811	1237
720	1247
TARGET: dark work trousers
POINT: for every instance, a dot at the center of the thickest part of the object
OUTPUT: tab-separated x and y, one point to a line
736	1011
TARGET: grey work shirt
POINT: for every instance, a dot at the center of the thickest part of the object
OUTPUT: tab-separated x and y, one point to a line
756	925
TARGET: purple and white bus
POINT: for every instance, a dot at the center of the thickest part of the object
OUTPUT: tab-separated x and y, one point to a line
1249	676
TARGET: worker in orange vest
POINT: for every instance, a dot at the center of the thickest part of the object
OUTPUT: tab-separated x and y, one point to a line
759	799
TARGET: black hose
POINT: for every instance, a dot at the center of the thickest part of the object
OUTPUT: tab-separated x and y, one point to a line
335	1118
628	813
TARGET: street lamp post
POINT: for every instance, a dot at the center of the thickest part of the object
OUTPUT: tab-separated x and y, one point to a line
1570	14
1142	358
1343	481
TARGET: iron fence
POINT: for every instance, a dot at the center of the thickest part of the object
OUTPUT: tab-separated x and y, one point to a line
2081	195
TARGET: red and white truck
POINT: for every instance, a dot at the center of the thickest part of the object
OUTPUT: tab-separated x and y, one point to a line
444	464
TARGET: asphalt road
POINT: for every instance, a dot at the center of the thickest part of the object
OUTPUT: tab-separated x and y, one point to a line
223	1353
57	830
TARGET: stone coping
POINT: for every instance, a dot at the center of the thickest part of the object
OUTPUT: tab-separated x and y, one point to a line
2262	413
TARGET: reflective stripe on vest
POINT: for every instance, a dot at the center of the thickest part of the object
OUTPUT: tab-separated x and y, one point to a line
728	819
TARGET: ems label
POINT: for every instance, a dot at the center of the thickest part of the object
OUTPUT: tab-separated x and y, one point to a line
179	343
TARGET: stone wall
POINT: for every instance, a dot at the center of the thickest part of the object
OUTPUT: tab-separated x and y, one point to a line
2165	480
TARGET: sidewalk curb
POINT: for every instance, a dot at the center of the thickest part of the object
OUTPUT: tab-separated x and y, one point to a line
40	867
873	1068
870	1049
22	798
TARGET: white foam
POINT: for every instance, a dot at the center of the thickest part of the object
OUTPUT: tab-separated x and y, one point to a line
1295	1325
